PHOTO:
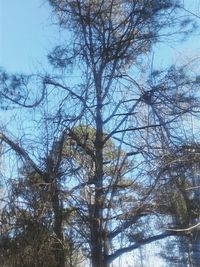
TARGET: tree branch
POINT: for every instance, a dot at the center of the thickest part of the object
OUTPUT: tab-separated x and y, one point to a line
140	243
126	224
185	229
21	152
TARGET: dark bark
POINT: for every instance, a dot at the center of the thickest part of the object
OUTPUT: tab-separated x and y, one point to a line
97	253
58	230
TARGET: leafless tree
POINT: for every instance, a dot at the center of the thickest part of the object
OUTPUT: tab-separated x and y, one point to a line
112	118
107	41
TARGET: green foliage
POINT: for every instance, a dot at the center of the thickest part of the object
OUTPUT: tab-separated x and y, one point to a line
80	146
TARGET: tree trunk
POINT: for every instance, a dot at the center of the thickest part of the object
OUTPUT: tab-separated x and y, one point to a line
59	250
97	253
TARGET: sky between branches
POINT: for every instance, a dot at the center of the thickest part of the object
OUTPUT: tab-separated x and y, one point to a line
27	34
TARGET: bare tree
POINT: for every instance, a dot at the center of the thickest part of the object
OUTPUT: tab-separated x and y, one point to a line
110	120
107	41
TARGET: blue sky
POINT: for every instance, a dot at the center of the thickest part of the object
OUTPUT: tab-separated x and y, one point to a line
27	35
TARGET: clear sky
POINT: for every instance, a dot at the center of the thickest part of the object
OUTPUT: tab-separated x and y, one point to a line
26	34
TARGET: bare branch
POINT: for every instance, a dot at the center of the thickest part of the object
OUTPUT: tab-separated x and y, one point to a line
185	229
20	152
